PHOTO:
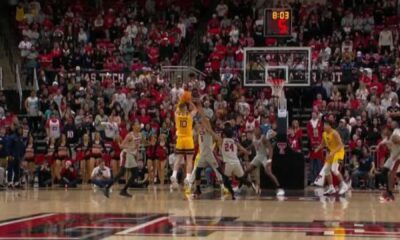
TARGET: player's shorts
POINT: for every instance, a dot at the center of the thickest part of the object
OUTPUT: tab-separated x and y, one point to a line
127	160
233	169
184	145
207	159
260	161
339	156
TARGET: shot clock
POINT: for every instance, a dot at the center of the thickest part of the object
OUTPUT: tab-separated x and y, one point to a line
277	22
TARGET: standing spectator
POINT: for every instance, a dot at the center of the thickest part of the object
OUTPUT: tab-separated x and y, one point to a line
151	157
293	141
161	153
3	152
69	176
16	153
25	47
343	131
314	133
101	175
53	126
61	155
222	9
32	105
385	41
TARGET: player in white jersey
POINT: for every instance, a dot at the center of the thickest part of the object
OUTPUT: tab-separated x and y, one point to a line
130	146
392	163
229	150
263	158
206	154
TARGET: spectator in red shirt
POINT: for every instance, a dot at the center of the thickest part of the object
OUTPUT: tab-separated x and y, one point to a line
213	25
319	101
293	141
144	118
153	53
314	133
109	22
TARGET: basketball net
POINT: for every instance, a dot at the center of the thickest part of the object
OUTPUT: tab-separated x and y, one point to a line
277	91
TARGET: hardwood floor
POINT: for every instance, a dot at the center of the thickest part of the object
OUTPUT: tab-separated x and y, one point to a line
157	213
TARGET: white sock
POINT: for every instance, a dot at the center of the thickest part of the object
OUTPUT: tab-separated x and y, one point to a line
188	176
192	178
174	174
331	186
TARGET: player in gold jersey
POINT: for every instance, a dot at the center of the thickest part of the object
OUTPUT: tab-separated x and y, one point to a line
332	141
184	148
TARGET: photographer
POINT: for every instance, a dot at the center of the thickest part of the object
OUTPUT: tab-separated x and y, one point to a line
44	175
69	176
101	175
142	180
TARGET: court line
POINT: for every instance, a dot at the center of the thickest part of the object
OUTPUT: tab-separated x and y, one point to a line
99	227
27	219
278	229
47	238
140	226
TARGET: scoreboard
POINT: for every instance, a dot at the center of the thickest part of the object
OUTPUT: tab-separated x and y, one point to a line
278	22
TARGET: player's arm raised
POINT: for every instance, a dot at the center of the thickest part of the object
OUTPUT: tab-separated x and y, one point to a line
193	108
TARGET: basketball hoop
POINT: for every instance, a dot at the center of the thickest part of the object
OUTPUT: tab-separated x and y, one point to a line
277	87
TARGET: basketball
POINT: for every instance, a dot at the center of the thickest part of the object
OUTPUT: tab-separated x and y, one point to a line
186	96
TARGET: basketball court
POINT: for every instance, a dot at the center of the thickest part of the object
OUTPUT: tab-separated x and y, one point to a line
159	214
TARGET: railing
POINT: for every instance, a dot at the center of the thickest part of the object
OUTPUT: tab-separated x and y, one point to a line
35	80
192	50
19	86
173	72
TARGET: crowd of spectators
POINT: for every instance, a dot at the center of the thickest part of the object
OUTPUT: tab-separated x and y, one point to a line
115	36
359	37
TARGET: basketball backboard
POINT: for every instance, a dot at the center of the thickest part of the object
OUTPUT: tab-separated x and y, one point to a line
290	63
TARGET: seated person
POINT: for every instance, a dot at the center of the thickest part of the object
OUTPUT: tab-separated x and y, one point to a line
101	175
142	179
364	168
69	175
44	175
